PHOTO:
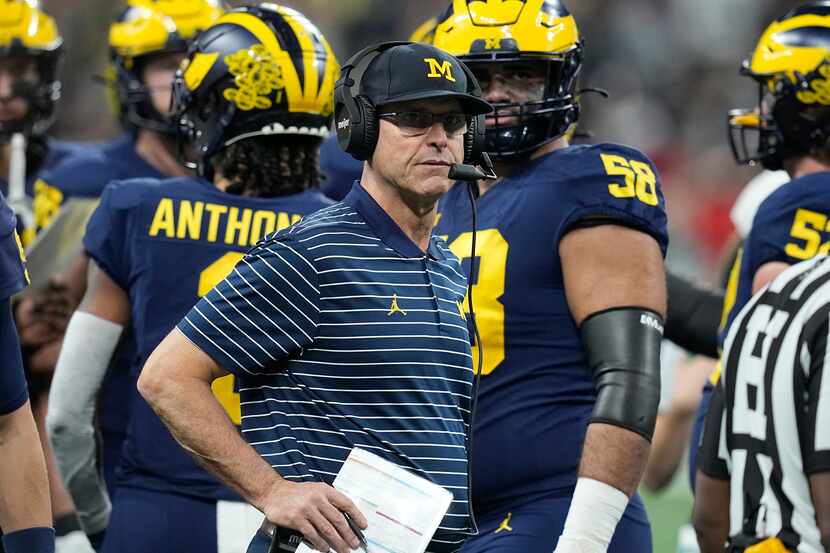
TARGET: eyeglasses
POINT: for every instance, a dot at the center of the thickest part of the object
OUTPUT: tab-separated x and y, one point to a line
419	122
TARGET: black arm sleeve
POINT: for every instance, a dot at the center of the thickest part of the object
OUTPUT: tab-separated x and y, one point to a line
623	350
693	316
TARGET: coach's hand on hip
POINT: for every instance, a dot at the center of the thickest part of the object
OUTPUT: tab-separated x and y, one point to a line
316	510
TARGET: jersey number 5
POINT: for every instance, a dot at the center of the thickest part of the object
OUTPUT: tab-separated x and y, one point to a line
487	292
223	388
640	180
808	227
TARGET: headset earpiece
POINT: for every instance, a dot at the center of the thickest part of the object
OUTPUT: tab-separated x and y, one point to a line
370	127
474	137
359	139
474	140
355	119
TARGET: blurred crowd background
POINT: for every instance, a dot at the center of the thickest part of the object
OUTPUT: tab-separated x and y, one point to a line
671	68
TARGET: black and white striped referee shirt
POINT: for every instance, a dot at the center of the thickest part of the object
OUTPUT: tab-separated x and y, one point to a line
342	333
768	428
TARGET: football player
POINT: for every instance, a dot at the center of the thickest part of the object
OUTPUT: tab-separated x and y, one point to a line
31	49
789	130
147	43
568	292
25	510
156	246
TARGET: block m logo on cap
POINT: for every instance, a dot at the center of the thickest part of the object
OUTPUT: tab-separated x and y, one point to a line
439	69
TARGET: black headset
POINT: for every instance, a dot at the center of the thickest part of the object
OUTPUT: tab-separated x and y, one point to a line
354	114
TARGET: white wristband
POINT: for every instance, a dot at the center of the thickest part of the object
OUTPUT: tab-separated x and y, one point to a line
595	510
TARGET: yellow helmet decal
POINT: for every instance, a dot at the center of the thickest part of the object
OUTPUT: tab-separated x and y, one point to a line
819	91
495	12
195	70
148	24
774	55
425	32
314	95
531	25
318	96
23	21
256	75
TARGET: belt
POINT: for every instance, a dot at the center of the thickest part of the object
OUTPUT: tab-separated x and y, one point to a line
282	539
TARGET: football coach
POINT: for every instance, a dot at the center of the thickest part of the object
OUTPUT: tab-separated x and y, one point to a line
344	330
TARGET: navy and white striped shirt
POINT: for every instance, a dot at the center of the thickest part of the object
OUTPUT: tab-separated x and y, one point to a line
343	333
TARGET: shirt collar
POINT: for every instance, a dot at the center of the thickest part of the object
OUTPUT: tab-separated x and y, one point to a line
383	225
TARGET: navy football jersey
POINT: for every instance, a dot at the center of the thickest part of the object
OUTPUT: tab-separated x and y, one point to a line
167	243
13	275
791	225
536	392
84	175
57	152
13	278
340	169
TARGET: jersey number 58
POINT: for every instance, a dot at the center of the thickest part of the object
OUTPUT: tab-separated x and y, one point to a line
640	180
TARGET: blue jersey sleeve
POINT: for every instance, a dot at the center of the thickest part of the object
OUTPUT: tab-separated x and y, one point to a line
107	237
13	392
13	275
82	174
790	226
266	310
340	169
614	183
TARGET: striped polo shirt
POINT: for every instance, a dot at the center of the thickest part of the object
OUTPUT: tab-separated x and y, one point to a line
343	333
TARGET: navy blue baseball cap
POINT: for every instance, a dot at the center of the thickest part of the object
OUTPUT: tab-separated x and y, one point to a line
417	71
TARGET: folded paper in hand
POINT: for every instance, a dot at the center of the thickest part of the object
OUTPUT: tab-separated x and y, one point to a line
403	510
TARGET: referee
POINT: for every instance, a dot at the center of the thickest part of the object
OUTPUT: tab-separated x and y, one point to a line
344	330
763	478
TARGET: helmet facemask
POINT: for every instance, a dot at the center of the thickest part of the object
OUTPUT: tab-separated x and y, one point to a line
200	125
145	31
40	93
792	118
135	96
515	129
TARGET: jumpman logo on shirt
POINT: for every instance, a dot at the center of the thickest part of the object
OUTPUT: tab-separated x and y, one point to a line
505	524
394	307
461	310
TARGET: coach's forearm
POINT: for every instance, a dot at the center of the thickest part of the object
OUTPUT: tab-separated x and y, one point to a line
615	456
24	489
206	432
